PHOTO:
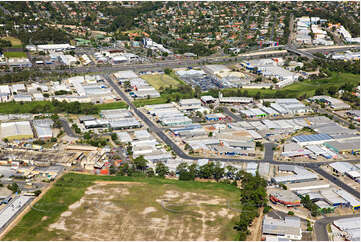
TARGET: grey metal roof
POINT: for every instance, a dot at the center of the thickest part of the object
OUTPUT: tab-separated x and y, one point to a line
312	137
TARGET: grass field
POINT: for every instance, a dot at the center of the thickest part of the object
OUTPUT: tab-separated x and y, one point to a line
113	105
160	80
14	41
14	54
88	207
307	87
143	102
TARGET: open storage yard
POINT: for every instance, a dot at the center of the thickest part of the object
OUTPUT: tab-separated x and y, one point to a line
84	207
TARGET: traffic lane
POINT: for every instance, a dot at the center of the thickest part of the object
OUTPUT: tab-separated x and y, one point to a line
268	153
67	128
231	114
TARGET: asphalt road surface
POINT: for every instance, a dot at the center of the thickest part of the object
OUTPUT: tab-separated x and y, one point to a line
321	226
231	114
268	152
67	128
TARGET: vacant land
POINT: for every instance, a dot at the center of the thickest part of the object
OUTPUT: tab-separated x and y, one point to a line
160	80
15	54
14	41
87	207
113	105
306	87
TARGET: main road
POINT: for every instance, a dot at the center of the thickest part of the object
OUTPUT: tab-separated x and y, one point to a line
315	166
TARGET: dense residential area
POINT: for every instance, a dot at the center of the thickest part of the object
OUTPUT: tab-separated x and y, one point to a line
180	121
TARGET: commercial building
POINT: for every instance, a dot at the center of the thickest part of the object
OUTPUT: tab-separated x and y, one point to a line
349	146
125	123
19	62
289	228
341	168
189	131
124	137
235	100
43	129
311	139
308	186
55	47
116	114
189	104
300	174
350	227
125	75
16	130
216	69
332	198
215	117
285	197
352	201
334	103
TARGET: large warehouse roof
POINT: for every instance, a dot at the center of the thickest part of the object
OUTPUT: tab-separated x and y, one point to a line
19	130
312	137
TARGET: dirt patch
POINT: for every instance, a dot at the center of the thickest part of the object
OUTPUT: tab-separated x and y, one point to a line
127	211
66	214
149	210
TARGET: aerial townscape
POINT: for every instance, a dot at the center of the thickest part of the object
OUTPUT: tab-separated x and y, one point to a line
180	121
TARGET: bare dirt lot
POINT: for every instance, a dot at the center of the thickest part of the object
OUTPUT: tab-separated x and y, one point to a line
145	211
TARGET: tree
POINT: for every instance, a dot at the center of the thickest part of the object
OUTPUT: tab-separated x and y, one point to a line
291	213
161	169
167	71
266	104
129	149
218	172
127	85
140	163
150	172
231	172
14	187
332	90
125	170
210	134
207	170
319	91
114	136
37	193
112	170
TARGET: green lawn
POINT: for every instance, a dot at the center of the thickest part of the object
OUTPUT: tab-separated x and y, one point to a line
113	105
26	107
160	80
15	54
71	188
142	102
307	87
48	107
